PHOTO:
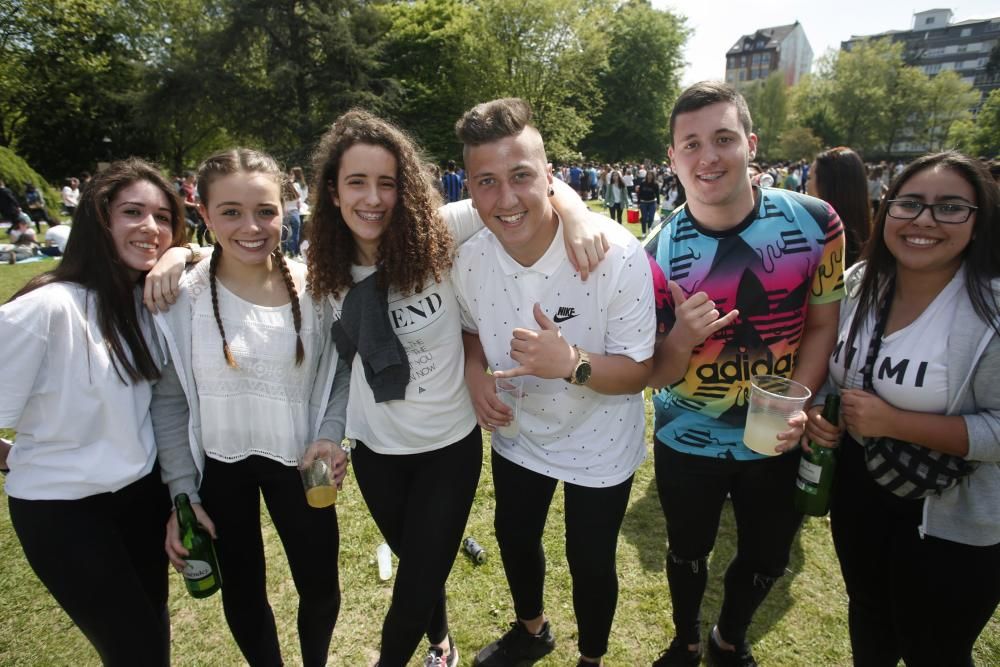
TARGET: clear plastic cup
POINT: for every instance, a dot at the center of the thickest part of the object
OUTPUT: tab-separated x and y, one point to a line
509	390
317	478
773	401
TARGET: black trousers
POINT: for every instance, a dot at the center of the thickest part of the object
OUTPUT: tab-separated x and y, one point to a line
230	493
922	600
692	492
420	503
593	520
102	559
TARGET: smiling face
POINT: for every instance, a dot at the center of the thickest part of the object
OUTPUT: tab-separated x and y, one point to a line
922	244
710	153
509	186
141	224
244	213
366	193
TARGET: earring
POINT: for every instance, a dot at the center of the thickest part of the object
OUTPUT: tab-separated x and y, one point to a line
552	191
286	232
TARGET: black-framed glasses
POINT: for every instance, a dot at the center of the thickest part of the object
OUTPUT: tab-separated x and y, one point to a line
946	213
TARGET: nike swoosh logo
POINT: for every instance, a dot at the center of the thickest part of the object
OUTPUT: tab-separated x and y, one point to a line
557	319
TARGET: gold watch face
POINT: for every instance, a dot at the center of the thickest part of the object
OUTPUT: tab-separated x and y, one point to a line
582	373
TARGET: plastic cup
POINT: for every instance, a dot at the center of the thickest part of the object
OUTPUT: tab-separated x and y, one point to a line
509	391
773	401
383	555
317	478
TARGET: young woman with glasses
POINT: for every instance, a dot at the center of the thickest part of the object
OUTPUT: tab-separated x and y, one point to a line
920	329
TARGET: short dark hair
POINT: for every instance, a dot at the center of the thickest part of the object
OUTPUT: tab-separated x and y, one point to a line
492	121
707	93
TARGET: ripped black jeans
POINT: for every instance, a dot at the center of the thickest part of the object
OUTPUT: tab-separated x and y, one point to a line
692	492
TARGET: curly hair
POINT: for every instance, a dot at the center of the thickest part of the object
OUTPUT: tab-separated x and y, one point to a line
415	247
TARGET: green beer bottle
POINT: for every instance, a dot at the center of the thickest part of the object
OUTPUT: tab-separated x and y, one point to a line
201	574
812	488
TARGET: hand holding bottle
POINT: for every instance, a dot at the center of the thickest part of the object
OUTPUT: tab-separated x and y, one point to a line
820	430
174	547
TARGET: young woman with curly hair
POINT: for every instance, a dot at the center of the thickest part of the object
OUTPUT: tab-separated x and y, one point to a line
254	379
380	250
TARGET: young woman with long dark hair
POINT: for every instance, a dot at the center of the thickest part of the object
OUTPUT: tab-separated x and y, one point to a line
917	362
83	482
837	176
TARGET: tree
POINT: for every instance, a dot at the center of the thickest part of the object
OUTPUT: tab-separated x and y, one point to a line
904	104
799	143
768	102
982	137
810	104
859	88
548	52
639	85
948	101
428	46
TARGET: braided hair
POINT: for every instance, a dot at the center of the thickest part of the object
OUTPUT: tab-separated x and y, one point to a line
246	160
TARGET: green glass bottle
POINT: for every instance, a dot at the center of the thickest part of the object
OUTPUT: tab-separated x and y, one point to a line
812	488
201	574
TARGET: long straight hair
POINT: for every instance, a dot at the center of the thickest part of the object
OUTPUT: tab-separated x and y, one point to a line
841	182
92	261
981	256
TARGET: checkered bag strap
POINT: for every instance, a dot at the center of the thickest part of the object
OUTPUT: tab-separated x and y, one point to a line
903	468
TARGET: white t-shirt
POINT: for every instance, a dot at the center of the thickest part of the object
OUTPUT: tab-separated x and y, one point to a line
80	430
567	432
627	180
70	196
58	236
911	370
437	410
262	407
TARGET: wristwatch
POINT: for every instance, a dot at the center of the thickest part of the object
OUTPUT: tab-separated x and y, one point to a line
581	372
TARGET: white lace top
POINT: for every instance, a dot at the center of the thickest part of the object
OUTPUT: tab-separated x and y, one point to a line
262	407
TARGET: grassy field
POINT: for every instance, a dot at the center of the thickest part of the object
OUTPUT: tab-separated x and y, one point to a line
803	622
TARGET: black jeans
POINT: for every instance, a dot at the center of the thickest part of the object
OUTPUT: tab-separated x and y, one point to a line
593	520
615	213
230	493
924	600
421	503
115	588
692	491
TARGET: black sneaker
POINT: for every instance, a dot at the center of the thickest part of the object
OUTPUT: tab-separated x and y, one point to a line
719	657
679	655
517	648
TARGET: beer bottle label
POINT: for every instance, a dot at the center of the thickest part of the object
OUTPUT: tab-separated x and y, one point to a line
810	472
197	569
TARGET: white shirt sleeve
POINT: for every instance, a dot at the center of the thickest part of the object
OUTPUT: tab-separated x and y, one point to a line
631	314
462	219
23	332
467	317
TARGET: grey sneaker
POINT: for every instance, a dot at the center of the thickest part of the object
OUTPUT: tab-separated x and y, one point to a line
517	648
436	658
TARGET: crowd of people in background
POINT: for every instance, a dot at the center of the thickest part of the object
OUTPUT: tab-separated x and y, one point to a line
879	283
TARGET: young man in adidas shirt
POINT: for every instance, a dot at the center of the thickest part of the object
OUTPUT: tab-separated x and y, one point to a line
583	351
756	277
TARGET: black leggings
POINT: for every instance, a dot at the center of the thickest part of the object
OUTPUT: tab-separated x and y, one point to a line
421	503
924	600
231	494
114	586
593	520
692	491
615	213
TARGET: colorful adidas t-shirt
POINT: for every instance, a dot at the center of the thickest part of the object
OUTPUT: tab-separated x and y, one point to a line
788	253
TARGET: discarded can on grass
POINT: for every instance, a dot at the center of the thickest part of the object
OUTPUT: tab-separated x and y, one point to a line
474	551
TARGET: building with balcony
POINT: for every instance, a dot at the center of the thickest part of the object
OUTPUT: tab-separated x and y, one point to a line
935	44
783	48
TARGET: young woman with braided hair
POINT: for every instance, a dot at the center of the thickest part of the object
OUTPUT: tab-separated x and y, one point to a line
254	370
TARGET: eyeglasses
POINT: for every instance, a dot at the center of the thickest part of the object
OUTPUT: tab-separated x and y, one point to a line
947	213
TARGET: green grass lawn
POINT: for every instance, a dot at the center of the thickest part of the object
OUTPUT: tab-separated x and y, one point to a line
803	622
